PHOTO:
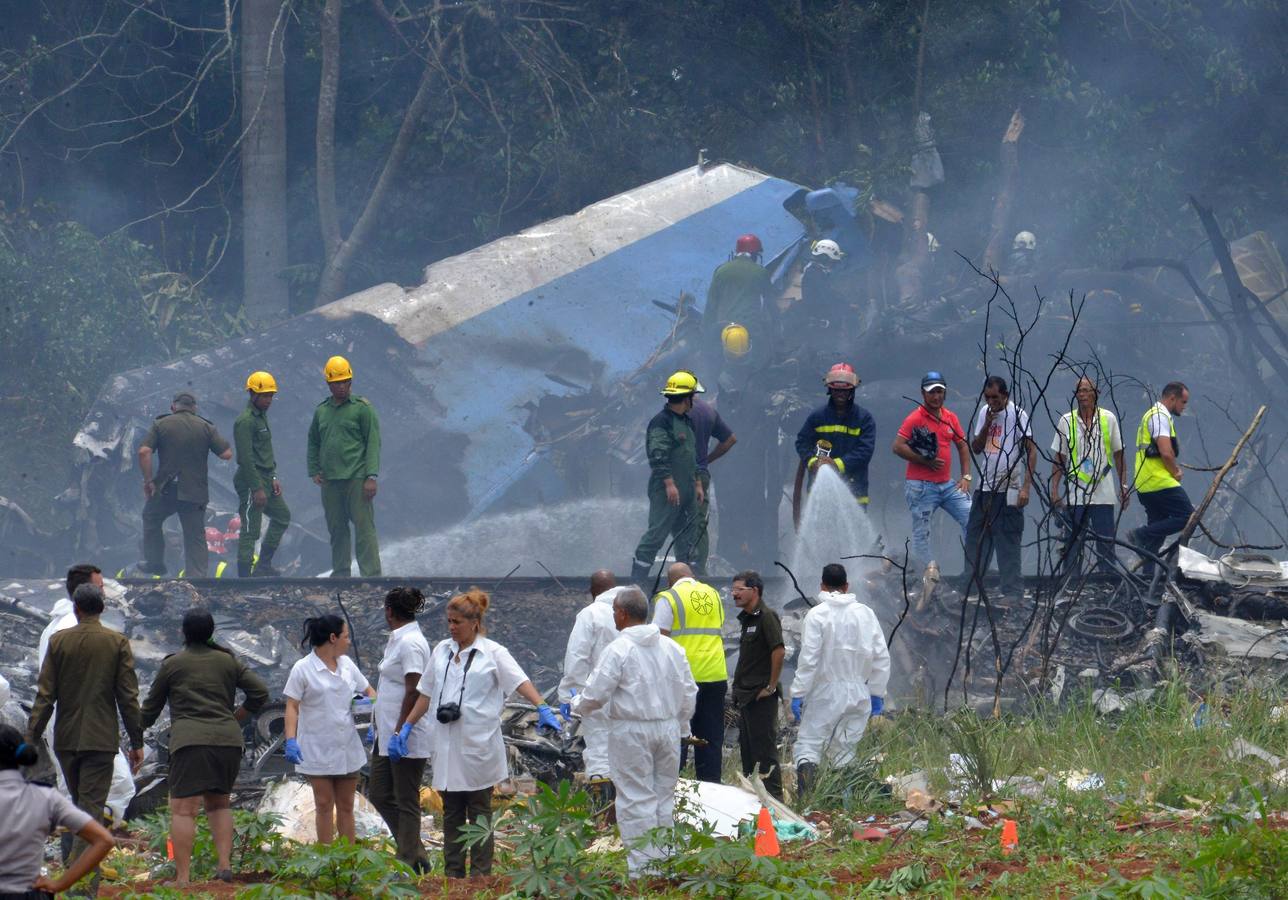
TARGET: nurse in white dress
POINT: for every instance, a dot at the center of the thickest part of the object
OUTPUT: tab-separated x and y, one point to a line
468	679
321	737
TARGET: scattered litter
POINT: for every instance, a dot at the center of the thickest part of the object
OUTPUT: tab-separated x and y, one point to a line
1108	700
609	843
921	801
1279	713
901	785
870	833
1081	781
1238	637
1241	749
723	806
1057	684
293	802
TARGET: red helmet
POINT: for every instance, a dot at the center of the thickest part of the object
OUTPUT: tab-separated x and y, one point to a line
748	243
234	524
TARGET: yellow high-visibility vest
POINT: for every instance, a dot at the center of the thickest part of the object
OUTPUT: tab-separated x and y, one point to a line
697	617
1151	474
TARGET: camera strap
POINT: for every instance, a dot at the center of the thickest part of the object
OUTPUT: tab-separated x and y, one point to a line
469	660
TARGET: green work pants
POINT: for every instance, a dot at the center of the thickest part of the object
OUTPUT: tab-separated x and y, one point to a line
702	537
192	519
394	790
89	779
665	520
252	520
342	501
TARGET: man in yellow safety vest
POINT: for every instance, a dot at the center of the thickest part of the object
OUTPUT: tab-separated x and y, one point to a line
692	614
1158	473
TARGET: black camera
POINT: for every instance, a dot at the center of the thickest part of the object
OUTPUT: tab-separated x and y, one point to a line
448	713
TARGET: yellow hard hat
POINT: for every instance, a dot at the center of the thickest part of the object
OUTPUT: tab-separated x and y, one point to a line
337	369
681	384
735	339
261	383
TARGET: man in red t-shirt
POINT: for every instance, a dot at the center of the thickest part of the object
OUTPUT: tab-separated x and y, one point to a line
925	440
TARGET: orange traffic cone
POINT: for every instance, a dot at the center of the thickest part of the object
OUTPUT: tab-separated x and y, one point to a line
1010	836
766	835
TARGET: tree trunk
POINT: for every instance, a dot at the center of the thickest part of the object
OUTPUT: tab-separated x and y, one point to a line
263	158
1002	206
328	89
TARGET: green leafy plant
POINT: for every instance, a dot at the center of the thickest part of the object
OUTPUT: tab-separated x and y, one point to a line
549	846
707	866
257	846
340	869
908	879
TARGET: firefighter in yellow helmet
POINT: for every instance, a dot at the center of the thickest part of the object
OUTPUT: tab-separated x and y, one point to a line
344	460
259	493
675	491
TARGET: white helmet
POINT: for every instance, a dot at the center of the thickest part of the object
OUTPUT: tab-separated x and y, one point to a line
1025	240
829	248
931	243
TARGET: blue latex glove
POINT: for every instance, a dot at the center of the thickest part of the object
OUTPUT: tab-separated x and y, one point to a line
371	734
398	743
292	748
878	705
546	718
565	709
797	704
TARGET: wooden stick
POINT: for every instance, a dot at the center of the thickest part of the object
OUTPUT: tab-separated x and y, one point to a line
1220	476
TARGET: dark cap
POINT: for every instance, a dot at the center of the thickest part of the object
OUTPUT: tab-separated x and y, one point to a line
932	380
185	398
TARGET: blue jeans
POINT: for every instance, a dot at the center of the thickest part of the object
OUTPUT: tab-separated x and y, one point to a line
1091	522
924	497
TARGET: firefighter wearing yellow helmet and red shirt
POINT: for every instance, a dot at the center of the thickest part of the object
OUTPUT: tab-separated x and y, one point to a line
259	493
344	460
675	491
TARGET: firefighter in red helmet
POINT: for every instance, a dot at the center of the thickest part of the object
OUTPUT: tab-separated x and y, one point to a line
740	292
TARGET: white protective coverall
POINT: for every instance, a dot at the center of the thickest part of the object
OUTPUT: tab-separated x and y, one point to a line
592	632
121	792
644	684
843	662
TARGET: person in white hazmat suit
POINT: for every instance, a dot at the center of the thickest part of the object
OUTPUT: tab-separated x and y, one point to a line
644	684
841	676
592	631
62	617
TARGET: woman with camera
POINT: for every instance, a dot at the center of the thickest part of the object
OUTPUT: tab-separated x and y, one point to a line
200	684
395	786
468	679
321	737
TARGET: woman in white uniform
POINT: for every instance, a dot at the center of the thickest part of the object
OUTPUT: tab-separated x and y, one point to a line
466	684
321	737
395	786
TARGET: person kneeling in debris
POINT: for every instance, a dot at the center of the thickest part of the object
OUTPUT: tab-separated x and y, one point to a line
394	788
468	679
841	676
321	737
644	683
31	813
200	683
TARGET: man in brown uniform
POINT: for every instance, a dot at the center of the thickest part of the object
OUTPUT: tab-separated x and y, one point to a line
86	735
182	439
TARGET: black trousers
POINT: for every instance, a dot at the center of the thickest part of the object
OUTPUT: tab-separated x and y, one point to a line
394	790
1166	512
460	807
707	723
758	741
994	527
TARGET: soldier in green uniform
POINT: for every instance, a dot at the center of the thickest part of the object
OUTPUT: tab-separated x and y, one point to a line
344	459
86	733
675	491
259	493
181	485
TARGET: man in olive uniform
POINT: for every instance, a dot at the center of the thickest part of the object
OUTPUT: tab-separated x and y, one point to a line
675	491
86	733
181	485
344	458
259	493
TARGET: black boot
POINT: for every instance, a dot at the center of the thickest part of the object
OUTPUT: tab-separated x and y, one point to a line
243	569
639	570
804	779
264	568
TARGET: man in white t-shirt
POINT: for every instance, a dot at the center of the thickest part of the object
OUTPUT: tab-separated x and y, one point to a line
1087	450
1006	457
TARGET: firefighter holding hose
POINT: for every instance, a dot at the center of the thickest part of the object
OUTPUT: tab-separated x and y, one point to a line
840	434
